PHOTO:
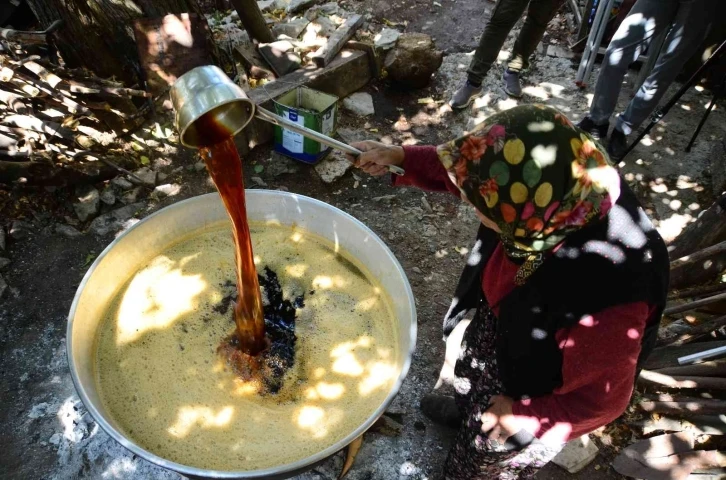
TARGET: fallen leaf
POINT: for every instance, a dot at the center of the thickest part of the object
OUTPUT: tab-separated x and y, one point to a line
89	258
350	455
437	4
374	130
259	168
144	160
138	147
425	100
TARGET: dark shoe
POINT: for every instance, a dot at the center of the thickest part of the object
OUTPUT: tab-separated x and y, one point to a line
442	409
598	132
511	84
464	96
617	145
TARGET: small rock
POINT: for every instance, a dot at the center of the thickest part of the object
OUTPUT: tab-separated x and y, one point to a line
258	181
426	205
299	5
114	220
350	135
266	5
2	238
429	231
413	61
416	270
20	229
3	286
167	190
408	469
292	29
199	166
387	39
55	439
161	177
107	196
559	52
122	183
146	175
280	165
332	167
131	196
89	203
360	103
67	231
4	262
577	454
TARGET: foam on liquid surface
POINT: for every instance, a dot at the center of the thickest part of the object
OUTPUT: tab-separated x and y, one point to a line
162	380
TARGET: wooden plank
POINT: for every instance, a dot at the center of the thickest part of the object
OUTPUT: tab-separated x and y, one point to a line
340	36
716	368
697	331
664	357
694	305
253	62
684	406
697	424
648	377
349	72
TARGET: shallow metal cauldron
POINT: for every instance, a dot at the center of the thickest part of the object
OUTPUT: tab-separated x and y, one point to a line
148	238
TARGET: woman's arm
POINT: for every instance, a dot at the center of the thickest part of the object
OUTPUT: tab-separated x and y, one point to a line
422	165
598	373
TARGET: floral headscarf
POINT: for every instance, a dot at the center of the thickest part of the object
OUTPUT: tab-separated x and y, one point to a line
535	175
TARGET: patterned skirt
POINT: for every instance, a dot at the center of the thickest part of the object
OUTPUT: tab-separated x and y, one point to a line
474	456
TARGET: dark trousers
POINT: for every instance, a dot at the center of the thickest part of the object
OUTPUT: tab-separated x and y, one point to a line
505	15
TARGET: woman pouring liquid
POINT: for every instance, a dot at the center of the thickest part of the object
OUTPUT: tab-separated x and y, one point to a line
567	279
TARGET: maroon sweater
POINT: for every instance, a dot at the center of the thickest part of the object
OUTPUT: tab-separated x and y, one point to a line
599	355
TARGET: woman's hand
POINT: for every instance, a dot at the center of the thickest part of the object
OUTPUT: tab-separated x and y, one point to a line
376	157
497	422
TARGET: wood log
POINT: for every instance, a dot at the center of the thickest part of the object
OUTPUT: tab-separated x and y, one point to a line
13	101
694	305
714	368
337	40
18	36
696	424
253	20
684	406
700	291
704	254
709	229
664	357
46	174
650	378
31	123
696	332
46	76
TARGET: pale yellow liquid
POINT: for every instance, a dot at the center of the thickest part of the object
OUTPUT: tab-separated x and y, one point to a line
165	385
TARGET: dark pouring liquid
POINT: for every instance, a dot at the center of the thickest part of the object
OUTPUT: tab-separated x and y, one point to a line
225	168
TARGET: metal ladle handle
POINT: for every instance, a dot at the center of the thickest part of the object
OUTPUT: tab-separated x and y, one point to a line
267	116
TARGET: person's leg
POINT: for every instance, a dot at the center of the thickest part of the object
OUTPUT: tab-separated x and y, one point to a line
646	18
504	16
690	27
539	14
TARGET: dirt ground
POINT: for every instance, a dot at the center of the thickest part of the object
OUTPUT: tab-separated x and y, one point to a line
46	432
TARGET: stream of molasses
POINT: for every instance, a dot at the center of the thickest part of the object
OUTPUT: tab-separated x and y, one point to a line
225	168
251	354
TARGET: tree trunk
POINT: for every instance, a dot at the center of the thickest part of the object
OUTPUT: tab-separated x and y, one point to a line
98	34
253	21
